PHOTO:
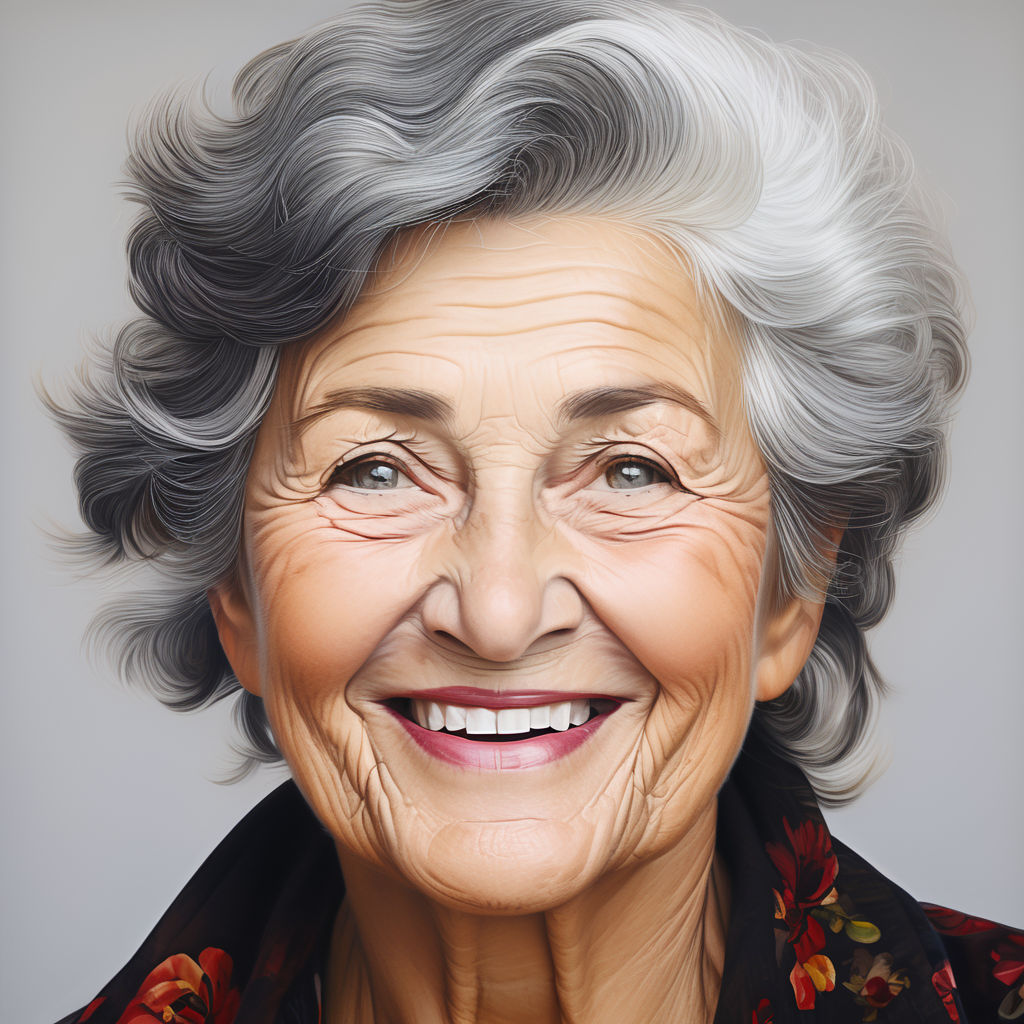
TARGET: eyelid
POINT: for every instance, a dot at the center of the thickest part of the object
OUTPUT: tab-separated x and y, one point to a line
605	459
369	452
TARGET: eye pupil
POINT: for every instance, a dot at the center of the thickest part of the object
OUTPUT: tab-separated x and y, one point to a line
624	475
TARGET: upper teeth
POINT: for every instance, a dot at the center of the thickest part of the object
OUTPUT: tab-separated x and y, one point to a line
504	722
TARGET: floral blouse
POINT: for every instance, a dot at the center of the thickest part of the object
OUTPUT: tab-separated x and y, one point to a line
816	935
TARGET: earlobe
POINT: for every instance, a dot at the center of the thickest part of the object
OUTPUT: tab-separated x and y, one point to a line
236	627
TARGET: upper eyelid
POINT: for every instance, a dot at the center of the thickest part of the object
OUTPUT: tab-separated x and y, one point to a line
607	454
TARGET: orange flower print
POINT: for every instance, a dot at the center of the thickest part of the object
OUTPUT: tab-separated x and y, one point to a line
181	991
874	982
816	974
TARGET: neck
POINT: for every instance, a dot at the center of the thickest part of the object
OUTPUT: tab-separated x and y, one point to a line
397	956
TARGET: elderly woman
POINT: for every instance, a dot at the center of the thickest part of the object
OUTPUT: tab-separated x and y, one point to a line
528	401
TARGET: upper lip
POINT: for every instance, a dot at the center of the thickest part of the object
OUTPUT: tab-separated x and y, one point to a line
471	696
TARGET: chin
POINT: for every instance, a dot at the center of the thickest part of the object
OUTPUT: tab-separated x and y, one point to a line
504	867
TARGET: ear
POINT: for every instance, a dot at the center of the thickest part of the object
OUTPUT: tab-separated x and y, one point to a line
236	627
786	640
787	634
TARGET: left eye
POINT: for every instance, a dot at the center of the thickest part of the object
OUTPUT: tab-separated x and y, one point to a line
630	474
371	475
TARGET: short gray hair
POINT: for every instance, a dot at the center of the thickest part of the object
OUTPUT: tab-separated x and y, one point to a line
766	166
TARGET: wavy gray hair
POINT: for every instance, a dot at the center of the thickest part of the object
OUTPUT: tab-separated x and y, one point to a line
765	165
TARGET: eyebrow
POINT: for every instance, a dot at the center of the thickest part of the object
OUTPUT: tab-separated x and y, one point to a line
432	408
422	405
607	401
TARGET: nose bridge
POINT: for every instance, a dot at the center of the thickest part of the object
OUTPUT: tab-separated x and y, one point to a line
501	579
508	592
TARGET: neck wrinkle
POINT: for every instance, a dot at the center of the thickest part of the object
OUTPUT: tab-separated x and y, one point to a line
663	921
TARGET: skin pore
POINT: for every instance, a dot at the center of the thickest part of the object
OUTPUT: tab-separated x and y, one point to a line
518	465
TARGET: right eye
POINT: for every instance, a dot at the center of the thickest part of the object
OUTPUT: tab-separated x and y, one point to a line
630	473
371	473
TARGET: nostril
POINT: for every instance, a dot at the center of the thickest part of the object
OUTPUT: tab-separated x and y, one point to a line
564	631
450	640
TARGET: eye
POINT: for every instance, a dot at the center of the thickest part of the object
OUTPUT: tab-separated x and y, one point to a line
632	473
371	473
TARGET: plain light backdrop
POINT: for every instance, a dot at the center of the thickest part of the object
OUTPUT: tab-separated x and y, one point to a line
107	803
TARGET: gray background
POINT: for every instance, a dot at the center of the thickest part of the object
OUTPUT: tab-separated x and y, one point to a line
107	800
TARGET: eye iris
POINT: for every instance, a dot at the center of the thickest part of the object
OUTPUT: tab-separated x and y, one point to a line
375	476
624	475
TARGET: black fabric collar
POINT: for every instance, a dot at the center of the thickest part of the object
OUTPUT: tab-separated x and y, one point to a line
816	935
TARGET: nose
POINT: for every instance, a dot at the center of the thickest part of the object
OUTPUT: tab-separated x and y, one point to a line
502	593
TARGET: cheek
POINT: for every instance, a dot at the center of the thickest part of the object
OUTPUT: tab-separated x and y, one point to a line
326	601
683	602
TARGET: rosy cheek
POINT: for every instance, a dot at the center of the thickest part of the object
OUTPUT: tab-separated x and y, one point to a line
328	602
682	601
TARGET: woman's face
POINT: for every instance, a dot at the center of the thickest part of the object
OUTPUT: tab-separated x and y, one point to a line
512	488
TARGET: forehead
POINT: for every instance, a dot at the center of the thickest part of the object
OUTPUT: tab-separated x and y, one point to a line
543	307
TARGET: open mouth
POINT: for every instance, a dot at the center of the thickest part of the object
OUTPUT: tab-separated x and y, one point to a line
501	724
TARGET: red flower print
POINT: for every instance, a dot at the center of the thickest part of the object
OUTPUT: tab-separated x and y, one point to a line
763	1014
1008	954
945	985
808	868
952	922
874	982
181	991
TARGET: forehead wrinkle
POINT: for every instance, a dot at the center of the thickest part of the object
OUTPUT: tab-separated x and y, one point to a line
623	307
615	277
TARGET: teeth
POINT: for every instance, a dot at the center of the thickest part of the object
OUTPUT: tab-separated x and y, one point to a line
478	721
419	712
579	712
481	722
454	717
435	716
561	715
540	718
513	720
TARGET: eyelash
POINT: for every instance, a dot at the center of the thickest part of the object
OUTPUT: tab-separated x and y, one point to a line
403	465
601	460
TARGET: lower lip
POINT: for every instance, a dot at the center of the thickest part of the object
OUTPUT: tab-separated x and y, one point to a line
508	756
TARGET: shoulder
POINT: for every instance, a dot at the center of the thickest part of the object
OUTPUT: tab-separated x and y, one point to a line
985	963
246	937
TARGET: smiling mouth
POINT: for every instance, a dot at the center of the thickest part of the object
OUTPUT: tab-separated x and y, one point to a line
501	724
